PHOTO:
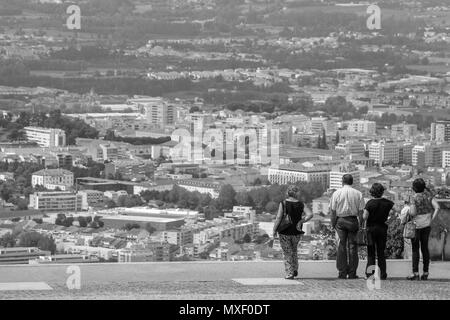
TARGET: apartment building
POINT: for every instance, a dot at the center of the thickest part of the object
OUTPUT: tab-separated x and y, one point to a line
362	126
295	173
53	178
337	172
318	124
56	201
46	137
152	252
91	197
210	187
446	159
384	152
440	131
350	147
404	129
405	153
181	238
427	155
157	111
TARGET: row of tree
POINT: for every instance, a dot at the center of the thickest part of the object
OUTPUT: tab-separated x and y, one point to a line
265	198
28	239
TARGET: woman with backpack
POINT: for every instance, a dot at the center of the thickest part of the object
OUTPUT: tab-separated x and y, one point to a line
288	225
423	210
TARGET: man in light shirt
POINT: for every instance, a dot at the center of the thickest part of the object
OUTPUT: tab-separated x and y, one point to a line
347	206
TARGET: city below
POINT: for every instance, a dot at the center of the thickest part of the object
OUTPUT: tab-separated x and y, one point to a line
170	130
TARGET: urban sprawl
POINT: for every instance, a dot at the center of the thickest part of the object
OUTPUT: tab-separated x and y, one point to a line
114	143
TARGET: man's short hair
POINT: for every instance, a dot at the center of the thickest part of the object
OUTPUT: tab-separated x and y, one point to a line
347	179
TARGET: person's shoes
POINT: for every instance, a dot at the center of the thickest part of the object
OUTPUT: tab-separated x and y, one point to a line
383	277
341	276
295	273
353	277
414	276
290	277
424	276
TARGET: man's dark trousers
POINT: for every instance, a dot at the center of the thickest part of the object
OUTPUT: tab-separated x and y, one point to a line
347	254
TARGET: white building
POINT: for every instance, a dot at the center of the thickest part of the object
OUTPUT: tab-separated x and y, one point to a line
362	126
211	188
292	174
53	178
338	172
114	195
384	152
446	159
6	176
318	124
407	130
46	137
91	197
440	131
157	111
56	201
350	147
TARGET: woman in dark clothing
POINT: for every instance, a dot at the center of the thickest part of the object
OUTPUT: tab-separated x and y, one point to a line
424	209
290	237
375	214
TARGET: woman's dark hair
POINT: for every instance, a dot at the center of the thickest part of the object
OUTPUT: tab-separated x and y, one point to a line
419	185
377	190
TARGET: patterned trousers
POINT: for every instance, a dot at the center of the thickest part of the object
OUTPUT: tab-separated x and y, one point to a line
289	245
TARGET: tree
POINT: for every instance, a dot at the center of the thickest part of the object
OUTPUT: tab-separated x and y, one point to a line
324	139
319	142
131	226
244	199
150	228
260	197
271	206
82	222
22	204
394	244
226	197
247	238
110	204
35	239
7	241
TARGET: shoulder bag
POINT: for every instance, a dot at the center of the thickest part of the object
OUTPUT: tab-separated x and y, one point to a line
286	221
409	231
361	235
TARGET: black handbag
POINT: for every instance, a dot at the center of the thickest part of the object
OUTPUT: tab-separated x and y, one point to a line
362	236
286	221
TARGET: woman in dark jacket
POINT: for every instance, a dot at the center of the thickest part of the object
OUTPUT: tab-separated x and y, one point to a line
290	237
375	216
